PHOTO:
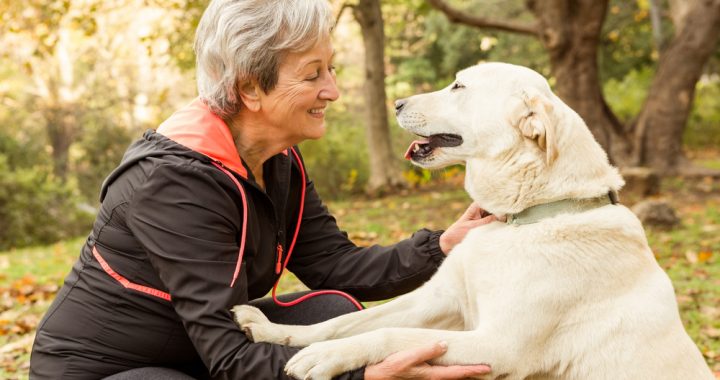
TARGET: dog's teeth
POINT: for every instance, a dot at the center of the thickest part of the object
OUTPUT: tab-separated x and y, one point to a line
416	148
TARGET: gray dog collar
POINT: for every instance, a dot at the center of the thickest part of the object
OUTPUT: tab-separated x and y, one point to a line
539	212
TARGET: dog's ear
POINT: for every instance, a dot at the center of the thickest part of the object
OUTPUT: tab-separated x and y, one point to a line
538	123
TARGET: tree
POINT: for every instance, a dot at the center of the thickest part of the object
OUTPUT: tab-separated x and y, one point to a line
88	64
38	39
570	32
384	169
659	127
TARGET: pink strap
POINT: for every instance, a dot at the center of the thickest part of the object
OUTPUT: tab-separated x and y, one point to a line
241	251
292	246
125	282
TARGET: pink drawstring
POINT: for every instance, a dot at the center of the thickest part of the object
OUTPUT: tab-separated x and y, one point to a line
292	244
244	223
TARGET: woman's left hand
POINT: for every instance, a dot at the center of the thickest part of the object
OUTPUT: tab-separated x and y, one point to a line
412	364
474	216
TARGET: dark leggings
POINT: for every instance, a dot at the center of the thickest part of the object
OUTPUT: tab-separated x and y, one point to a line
313	310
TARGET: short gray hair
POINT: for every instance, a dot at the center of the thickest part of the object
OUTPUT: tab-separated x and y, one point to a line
241	40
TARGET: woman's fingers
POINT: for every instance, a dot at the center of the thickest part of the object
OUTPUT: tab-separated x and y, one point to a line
458	371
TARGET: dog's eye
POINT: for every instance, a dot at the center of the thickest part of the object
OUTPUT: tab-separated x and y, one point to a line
456	86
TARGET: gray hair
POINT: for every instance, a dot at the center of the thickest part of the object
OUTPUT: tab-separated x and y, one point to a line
241	40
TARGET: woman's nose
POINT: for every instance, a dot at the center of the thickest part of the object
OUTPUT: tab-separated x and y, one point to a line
330	91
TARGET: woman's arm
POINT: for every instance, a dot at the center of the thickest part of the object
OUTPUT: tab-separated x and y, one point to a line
324	257
192	245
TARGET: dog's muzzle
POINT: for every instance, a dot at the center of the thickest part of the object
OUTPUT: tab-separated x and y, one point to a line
423	148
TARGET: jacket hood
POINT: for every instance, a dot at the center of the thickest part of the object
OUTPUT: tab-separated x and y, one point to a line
197	128
192	131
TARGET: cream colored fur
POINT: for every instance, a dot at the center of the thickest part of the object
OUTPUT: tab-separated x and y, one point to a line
575	296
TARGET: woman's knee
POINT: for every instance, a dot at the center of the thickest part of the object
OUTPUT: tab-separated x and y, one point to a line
318	308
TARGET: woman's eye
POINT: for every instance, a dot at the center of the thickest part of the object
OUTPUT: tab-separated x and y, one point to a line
457	85
314	76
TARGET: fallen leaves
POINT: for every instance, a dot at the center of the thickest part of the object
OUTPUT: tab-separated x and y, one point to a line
19	318
704	256
25	291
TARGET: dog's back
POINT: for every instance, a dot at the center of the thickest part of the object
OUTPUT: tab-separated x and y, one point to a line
611	309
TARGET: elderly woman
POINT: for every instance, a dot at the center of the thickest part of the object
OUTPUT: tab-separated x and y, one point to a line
207	211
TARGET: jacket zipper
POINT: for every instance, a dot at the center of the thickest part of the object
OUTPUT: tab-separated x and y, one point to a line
278	265
279	247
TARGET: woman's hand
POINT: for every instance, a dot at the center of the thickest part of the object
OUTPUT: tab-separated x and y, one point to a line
474	216
412	364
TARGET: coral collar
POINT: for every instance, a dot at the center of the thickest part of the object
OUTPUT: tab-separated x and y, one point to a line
199	129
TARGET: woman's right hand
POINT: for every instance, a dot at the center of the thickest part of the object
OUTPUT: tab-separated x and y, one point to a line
412	364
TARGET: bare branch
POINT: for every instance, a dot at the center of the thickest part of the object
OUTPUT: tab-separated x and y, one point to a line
458	16
340	12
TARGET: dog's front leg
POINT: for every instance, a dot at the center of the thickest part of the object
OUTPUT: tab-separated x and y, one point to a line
323	360
410	310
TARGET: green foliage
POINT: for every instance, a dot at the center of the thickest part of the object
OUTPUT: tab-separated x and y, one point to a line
626	95
425	49
626	43
703	130
36	208
338	162
98	152
181	37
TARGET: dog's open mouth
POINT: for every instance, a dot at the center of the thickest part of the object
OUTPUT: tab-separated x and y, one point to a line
424	147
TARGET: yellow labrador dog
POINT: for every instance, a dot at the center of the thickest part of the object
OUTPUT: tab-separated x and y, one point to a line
567	288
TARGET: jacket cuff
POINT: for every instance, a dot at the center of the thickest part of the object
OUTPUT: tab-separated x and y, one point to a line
433	247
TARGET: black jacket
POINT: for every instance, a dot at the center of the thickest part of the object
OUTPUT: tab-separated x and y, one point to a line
156	279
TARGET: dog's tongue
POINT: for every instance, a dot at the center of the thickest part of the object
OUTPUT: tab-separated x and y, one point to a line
412	147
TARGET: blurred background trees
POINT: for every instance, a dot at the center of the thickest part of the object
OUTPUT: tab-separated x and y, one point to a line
570	31
81	79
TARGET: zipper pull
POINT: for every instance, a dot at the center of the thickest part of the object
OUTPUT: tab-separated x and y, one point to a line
278	265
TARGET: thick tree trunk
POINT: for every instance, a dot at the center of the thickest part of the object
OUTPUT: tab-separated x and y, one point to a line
570	31
662	120
384	167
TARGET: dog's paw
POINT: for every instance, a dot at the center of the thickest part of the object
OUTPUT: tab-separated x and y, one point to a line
257	327
324	360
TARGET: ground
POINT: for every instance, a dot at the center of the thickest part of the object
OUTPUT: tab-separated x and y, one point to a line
690	253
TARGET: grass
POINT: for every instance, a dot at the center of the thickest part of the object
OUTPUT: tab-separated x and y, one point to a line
689	253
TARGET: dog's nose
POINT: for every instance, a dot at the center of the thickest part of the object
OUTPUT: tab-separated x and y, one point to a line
399	104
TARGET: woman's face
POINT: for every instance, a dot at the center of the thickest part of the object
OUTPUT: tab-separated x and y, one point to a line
306	85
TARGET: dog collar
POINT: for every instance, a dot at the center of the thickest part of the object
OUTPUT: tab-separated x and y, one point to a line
539	212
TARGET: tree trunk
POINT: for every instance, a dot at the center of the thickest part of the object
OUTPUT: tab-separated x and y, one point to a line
570	31
61	128
384	168
660	125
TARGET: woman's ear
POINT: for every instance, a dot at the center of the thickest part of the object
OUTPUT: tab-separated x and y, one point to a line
250	95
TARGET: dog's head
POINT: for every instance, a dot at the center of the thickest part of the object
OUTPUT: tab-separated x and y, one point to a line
488	109
505	122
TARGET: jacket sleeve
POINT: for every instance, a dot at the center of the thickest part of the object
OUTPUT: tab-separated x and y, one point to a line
192	245
324	257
